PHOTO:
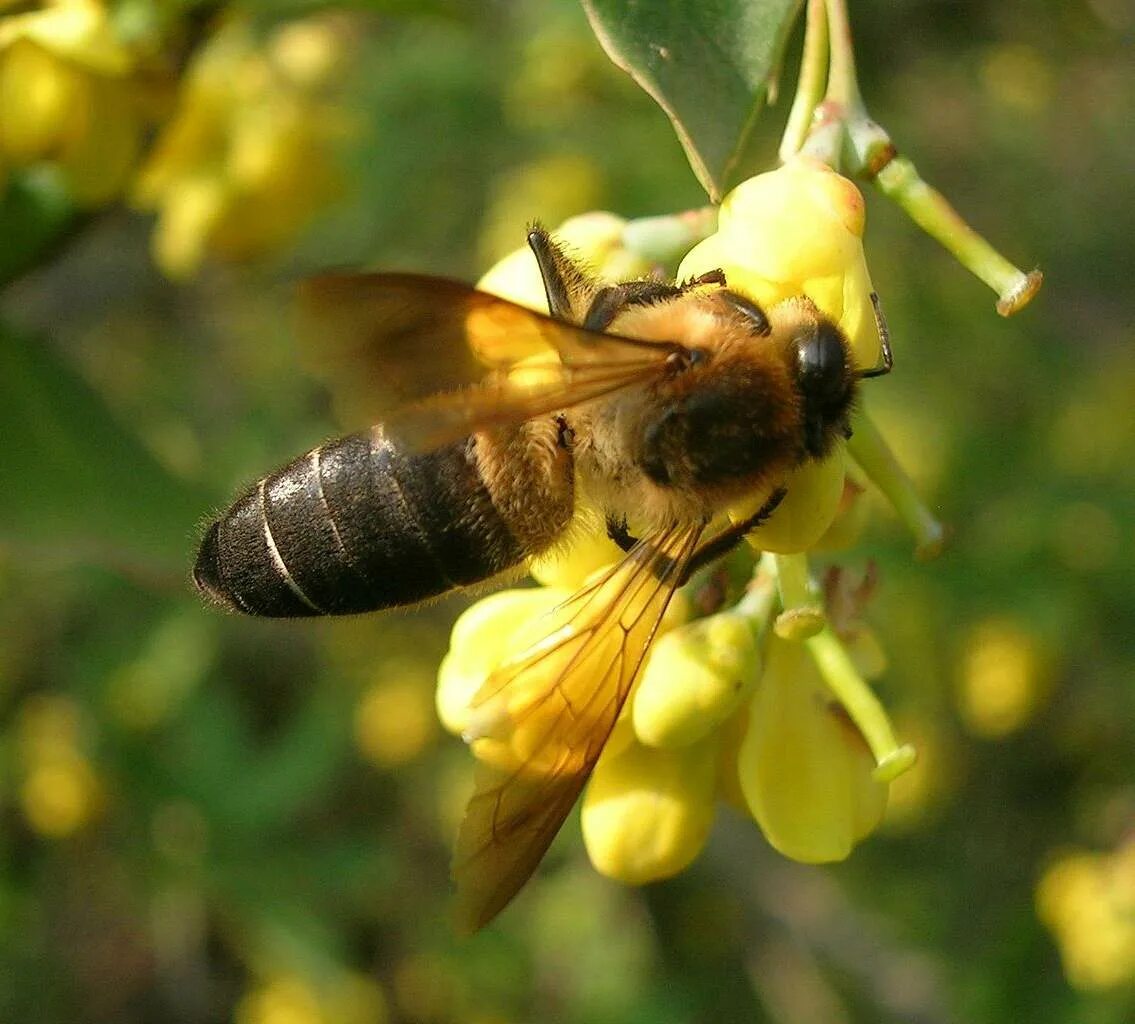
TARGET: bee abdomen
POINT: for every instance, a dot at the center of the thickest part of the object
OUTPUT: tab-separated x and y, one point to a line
356	525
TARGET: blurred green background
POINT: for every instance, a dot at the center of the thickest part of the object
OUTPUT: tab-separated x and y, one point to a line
207	818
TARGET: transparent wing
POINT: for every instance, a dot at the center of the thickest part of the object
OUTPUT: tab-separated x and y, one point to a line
540	722
384	340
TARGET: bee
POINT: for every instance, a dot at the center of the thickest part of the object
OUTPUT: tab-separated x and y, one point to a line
658	404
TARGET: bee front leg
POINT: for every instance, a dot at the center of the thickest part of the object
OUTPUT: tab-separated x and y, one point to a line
728	539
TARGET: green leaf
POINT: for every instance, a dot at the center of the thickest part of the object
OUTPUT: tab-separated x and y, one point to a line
36	216
708	63
75	484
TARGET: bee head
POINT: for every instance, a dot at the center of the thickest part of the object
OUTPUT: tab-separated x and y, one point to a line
825	380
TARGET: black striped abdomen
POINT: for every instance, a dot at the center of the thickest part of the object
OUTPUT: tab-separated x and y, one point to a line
356	525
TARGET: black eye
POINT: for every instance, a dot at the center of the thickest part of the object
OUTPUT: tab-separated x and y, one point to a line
821	362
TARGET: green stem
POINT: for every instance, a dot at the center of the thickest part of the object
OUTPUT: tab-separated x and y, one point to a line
861	704
843	85
878	462
810	85
803	614
760	597
930	210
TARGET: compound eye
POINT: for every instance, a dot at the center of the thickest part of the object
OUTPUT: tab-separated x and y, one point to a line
821	361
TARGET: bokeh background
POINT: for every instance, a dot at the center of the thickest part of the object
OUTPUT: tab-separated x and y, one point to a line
206	818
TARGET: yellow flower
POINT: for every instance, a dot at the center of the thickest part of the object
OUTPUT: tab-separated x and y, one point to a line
73	95
809	507
483	638
806	772
797	230
247	160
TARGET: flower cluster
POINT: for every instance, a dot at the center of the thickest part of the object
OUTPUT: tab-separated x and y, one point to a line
246	161
74	95
763	703
236	156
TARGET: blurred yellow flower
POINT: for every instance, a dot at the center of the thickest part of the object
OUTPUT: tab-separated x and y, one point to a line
545	189
61	791
248	159
1004	677
394	719
74	95
1087	901
285	998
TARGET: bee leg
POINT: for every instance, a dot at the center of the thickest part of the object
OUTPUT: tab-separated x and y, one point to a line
729	538
886	359
618	532
610	301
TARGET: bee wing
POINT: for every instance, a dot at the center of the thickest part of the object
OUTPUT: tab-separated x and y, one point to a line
540	722
531	390
384	340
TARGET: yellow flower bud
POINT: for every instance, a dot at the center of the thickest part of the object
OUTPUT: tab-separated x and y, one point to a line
647	812
814	216
805	771
694	678
794	231
808	509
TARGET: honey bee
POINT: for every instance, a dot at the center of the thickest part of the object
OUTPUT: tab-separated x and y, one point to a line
657	404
